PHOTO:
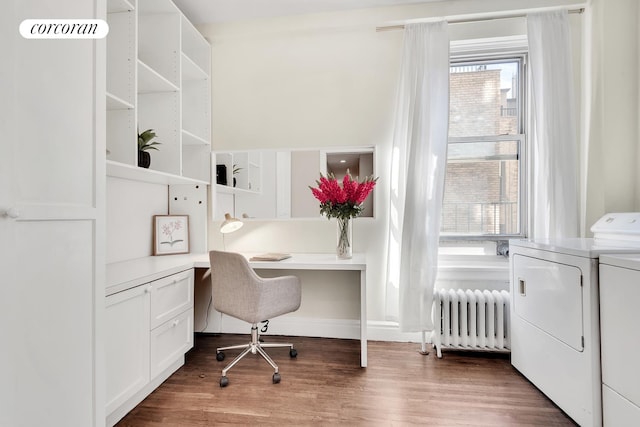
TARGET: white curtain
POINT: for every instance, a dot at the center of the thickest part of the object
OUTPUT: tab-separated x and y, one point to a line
556	157
417	175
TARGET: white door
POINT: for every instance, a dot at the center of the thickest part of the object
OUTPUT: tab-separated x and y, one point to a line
51	221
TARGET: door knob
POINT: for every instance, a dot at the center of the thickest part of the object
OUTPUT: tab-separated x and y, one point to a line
12	213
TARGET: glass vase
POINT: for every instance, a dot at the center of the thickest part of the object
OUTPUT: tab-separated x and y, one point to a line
345	238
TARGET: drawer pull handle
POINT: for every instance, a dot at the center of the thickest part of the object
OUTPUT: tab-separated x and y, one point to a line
176	322
523	287
147	290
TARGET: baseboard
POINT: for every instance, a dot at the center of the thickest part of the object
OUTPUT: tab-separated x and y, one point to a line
326	328
390	331
119	413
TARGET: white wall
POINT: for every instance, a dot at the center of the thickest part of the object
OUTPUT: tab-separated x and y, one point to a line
612	132
324	80
130	209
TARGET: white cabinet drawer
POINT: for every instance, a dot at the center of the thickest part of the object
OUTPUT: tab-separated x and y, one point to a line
171	296
170	341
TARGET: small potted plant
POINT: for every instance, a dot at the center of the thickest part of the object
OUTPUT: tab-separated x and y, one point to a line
235	171
146	143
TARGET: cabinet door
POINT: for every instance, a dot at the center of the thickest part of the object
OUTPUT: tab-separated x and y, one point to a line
171	296
127	344
52	253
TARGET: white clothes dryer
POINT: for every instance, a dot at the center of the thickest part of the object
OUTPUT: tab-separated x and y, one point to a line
555	329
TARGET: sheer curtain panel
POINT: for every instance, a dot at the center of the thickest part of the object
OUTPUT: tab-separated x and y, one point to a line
555	151
417	175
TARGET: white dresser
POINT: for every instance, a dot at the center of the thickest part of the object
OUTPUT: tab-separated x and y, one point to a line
620	339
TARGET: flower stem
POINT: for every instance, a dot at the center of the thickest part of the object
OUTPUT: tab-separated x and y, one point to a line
344	244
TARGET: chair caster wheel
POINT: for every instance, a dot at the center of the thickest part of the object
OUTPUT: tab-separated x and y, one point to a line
293	352
276	378
224	381
220	357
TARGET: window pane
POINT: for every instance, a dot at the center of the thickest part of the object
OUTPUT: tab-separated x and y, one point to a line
481	189
483	99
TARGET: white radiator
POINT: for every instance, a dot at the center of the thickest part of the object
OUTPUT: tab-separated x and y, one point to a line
470	320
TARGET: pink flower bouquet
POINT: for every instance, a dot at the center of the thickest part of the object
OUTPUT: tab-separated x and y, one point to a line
343	202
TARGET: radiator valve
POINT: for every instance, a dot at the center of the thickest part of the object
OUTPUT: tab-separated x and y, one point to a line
502	248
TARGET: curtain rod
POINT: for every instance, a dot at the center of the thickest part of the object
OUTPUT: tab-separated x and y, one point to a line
462	20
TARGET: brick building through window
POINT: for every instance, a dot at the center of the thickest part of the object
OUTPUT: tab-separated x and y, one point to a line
482	187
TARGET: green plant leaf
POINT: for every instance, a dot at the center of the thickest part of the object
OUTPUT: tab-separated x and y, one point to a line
145	140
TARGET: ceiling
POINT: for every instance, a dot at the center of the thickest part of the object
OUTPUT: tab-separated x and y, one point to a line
217	11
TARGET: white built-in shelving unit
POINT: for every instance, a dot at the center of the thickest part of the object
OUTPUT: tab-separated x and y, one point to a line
121	81
158	77
195	84
248	175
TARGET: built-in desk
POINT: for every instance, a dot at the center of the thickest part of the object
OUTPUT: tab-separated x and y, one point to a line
124	275
318	262
128	274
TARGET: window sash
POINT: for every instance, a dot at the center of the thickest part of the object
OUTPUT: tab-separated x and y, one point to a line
519	137
498	207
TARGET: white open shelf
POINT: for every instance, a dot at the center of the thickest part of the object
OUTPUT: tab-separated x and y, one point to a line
149	80
189	138
248	175
135	173
194	46
155	7
191	70
115	103
115	6
233	190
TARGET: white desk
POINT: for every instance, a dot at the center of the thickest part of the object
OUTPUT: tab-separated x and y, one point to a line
128	274
319	262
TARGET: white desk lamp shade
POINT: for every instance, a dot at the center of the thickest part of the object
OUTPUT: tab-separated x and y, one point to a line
230	224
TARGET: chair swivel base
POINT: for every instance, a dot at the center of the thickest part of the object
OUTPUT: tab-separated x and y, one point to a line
254	347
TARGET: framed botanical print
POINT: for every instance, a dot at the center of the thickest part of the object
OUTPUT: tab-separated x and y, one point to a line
170	234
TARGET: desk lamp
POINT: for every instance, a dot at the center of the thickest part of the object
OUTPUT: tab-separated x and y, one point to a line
230	224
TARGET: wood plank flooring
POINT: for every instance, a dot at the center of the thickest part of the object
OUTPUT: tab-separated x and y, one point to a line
325	385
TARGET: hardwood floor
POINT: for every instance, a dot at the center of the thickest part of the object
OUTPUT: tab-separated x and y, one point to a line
325	385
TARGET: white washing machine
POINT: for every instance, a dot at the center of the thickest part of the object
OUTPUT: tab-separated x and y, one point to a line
555	329
620	339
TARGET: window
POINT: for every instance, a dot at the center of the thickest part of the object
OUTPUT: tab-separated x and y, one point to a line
483	195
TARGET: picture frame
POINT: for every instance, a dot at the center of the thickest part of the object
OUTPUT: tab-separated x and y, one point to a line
170	234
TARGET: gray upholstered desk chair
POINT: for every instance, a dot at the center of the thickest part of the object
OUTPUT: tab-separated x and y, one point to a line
239	292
